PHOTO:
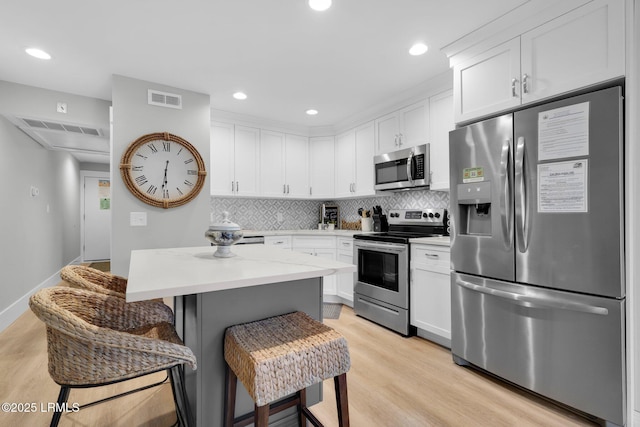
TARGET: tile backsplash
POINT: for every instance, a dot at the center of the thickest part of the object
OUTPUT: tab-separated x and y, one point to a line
263	214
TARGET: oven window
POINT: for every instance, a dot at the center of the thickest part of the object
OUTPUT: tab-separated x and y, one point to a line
378	269
393	171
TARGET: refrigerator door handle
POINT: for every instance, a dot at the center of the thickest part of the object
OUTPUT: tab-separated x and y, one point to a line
505	200
521	201
534	301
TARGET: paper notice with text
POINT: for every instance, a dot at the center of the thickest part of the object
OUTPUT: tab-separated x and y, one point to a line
564	132
563	187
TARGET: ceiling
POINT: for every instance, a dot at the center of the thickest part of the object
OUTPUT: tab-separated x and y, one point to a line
286	57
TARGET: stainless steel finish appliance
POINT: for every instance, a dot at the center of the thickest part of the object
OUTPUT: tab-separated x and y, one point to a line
251	240
537	250
402	169
381	291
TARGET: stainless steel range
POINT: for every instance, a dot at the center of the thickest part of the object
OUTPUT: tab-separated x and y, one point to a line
381	292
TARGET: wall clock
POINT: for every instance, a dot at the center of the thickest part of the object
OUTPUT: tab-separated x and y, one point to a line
163	170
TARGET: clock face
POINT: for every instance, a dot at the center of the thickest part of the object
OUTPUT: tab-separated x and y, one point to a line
163	170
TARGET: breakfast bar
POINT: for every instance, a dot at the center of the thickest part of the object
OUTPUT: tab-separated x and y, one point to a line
211	294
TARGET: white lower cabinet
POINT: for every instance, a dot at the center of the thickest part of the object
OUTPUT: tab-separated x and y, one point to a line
323	246
345	281
430	307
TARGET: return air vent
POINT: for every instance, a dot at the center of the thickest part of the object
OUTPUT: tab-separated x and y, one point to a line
164	99
61	127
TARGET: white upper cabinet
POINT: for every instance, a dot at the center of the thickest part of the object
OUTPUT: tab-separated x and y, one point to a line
488	82
441	123
573	51
403	128
272	180
321	167
296	160
354	162
234	160
579	48
283	165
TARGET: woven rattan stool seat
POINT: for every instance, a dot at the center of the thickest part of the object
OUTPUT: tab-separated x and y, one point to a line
277	356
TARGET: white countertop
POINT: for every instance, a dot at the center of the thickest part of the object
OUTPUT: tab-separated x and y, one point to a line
159	273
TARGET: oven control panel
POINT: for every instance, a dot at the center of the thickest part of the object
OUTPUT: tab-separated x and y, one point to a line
435	216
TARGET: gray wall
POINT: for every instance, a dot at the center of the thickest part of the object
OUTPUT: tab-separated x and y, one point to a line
132	117
35	242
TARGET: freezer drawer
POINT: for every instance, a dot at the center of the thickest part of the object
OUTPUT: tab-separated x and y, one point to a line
565	346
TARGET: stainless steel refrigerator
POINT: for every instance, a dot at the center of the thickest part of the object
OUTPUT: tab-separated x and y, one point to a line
537	250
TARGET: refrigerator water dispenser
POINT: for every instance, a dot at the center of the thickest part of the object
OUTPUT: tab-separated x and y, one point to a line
474	206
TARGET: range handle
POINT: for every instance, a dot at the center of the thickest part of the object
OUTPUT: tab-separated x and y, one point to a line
534	301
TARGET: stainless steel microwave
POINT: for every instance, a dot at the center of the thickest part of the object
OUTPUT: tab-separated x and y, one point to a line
402	169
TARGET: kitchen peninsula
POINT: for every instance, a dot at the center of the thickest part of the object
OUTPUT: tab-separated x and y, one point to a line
211	294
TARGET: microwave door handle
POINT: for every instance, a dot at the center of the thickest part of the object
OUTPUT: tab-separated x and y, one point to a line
409	168
534	301
505	199
521	201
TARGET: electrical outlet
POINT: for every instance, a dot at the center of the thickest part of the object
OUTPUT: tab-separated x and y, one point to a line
138	219
62	107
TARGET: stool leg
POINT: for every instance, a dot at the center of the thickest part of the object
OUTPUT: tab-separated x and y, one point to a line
302	404
62	399
342	401
230	383
261	416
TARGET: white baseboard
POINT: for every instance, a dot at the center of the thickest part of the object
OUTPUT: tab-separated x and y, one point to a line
15	310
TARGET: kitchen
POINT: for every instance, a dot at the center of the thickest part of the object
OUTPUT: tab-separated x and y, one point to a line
290	209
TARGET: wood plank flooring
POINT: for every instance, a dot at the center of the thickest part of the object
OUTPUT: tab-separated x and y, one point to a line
393	382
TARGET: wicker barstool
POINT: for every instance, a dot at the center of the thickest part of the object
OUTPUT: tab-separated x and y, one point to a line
83	277
279	357
96	339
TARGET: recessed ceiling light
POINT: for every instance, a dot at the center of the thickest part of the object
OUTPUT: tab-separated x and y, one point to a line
38	53
320	5
311	112
418	49
240	95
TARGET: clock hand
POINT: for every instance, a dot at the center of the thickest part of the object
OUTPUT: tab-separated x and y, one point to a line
165	174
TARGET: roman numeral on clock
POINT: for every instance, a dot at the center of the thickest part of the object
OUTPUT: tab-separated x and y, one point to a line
141	180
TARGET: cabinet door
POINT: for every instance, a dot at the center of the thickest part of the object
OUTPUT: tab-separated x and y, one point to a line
414	124
580	48
345	280
364	146
246	160
487	83
431	302
328	282
441	122
221	164
321	167
387	130
345	164
296	163
272	179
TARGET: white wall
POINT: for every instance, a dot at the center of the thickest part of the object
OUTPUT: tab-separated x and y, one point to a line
38	235
133	117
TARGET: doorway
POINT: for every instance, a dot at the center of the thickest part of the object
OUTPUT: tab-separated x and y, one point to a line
95	216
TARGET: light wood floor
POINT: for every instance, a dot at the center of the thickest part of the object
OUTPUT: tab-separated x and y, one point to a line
393	382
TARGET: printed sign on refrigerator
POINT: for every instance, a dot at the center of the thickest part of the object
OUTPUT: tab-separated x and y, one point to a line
563	187
564	132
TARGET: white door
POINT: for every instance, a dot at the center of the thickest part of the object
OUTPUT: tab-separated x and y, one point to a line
96	216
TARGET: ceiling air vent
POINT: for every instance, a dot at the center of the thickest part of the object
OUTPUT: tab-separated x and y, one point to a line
164	99
41	124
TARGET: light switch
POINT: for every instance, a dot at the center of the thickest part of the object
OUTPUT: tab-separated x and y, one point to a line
138	219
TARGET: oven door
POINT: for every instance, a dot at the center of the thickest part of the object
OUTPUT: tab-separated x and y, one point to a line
382	271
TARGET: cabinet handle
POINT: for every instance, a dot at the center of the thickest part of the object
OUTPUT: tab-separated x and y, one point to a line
395	140
284	188
310	191
513	88
237	187
432	256
400	138
233	187
287	188
525	84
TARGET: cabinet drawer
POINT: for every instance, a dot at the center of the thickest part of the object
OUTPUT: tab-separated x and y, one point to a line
345	244
314	242
434	258
280	241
